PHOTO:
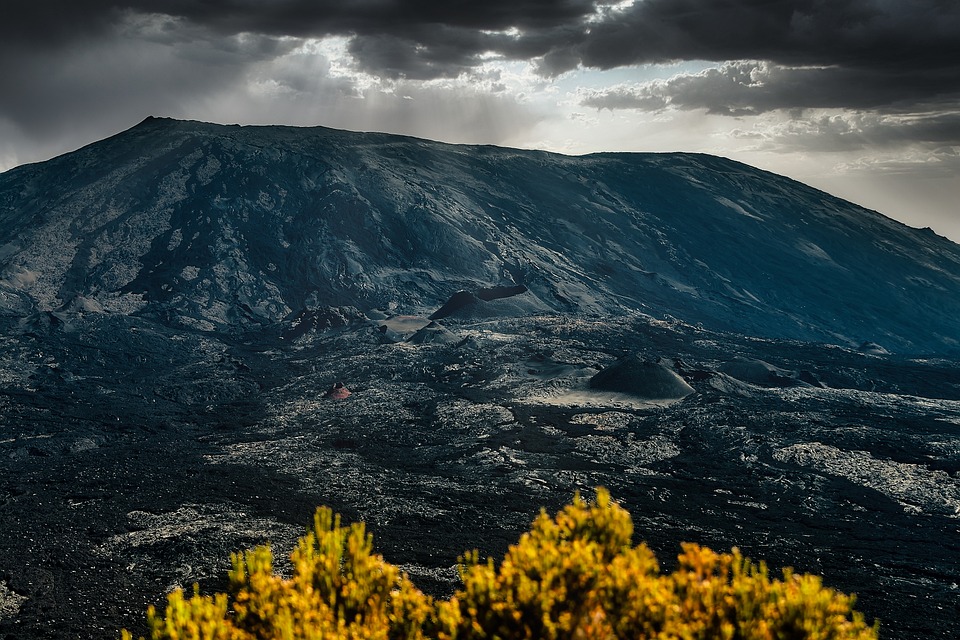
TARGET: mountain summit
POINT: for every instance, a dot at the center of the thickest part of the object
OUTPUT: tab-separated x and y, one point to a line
235	228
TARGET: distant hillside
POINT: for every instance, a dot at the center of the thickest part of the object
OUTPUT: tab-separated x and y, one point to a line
236	228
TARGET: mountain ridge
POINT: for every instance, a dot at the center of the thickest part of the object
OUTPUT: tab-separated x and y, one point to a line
228	227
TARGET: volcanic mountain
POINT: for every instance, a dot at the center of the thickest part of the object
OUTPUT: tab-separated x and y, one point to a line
238	228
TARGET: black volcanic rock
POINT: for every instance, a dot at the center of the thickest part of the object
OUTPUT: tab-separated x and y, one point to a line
312	320
236	228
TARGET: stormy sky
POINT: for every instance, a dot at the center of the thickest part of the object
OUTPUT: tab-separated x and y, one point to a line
858	97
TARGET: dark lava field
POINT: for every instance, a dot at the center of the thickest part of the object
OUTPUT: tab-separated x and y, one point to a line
127	478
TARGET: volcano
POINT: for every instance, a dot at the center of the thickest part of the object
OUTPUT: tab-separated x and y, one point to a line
740	359
221	228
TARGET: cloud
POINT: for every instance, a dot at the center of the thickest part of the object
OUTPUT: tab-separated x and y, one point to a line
935	137
754	87
881	51
442	54
150	64
941	163
853	33
601	34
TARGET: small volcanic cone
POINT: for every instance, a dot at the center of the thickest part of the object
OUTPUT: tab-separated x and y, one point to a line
433	333
642	378
338	391
758	372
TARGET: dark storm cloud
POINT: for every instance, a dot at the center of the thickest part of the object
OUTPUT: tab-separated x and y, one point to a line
47	22
843	53
443	52
147	65
437	38
422	39
62	60
854	33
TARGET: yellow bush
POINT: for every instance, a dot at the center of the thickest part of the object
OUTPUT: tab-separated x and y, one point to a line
574	576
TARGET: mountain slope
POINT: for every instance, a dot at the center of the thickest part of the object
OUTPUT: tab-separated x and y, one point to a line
233	228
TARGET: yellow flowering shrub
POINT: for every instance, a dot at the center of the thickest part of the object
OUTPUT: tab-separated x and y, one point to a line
339	589
574	576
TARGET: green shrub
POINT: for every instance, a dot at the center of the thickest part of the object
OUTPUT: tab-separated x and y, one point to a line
574	576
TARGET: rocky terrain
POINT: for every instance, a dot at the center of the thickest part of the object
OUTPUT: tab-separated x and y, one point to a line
742	360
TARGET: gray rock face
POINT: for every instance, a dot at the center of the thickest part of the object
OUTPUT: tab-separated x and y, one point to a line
234	228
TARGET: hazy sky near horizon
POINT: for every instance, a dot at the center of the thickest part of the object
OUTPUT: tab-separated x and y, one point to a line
860	98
